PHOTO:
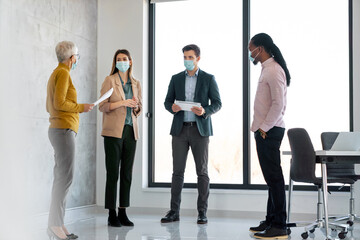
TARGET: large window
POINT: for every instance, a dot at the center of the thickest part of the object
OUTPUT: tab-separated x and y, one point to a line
181	23
314	43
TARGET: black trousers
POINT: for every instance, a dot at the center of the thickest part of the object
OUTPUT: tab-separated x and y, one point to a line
119	155
190	138
268	151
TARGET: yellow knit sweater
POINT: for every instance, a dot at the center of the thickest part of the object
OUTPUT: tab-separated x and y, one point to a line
61	100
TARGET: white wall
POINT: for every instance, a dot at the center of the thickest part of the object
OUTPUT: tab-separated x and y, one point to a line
29	32
129	30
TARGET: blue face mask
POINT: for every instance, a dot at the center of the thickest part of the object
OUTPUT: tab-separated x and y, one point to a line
74	65
123	66
252	58
189	65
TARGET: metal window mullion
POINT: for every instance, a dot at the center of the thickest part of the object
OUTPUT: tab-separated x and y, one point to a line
246	95
151	99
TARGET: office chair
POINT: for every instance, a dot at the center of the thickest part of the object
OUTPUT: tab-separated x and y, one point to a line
342	171
302	169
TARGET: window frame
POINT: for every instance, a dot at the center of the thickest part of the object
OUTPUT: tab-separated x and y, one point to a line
246	107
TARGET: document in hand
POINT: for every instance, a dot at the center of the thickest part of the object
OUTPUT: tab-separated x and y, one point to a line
186	106
105	96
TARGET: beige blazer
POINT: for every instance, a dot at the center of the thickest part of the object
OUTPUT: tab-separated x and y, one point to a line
114	120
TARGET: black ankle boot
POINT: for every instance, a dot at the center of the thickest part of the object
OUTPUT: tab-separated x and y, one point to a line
113	220
124	220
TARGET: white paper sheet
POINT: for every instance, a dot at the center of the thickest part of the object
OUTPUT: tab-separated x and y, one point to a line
105	96
186	106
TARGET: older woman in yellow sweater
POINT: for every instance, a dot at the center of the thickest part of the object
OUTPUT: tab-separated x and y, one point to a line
61	104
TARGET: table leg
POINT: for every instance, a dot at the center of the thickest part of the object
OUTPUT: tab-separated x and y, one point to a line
325	197
289	199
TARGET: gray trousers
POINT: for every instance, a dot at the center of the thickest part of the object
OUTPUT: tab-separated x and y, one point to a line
63	142
190	137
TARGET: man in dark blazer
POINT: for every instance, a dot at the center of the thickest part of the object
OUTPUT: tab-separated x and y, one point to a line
191	129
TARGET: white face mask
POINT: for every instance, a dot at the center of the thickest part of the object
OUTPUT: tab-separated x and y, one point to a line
253	58
74	65
189	65
123	66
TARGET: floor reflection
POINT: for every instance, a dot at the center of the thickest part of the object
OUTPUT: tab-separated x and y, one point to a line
148	227
115	233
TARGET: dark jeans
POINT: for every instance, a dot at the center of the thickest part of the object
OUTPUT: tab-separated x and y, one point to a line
190	137
119	151
268	150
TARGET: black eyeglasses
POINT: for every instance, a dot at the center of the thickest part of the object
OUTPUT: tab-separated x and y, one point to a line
77	55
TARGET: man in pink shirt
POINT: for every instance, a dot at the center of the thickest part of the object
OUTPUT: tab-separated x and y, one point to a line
269	127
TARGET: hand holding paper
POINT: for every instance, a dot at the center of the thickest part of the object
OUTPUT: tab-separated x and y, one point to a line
175	108
199	111
88	107
186	106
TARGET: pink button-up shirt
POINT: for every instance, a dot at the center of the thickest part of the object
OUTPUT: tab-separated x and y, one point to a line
270	98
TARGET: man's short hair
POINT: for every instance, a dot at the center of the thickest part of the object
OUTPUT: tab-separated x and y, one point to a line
193	47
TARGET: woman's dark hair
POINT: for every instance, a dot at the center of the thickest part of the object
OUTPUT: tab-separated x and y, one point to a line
113	67
262	39
193	47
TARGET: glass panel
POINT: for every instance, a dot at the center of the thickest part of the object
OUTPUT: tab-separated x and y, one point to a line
217	30
314	44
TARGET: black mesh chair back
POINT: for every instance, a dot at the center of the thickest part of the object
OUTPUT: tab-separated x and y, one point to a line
303	158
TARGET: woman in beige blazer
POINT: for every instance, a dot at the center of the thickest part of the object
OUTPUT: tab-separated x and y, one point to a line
120	132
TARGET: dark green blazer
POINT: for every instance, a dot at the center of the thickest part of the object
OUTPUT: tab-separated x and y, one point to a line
206	91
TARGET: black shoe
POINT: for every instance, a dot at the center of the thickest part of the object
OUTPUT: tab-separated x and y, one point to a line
171	216
262	227
271	233
72	236
202	219
113	220
124	220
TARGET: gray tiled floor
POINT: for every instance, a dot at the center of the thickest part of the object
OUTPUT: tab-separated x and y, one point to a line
148	227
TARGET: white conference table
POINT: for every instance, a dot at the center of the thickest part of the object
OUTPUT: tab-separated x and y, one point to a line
324	157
